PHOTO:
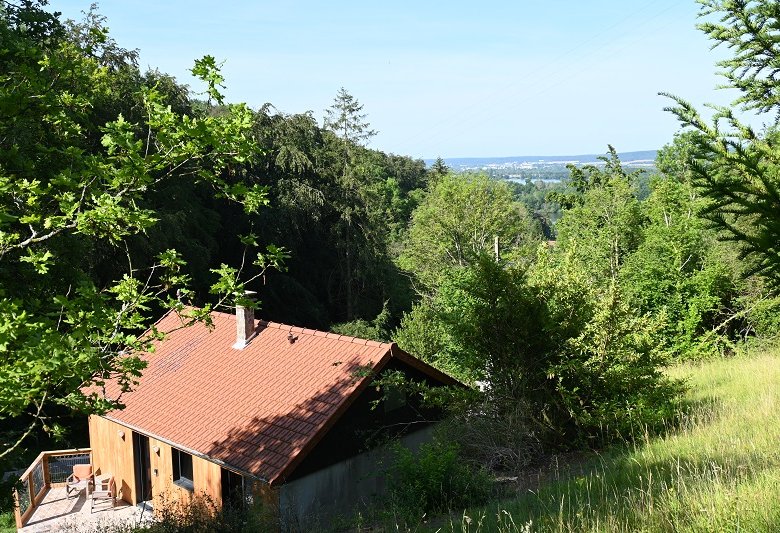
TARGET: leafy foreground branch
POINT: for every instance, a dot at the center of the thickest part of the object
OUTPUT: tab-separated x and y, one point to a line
78	172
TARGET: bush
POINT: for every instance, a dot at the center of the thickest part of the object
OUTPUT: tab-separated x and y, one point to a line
434	480
199	515
543	343
490	436
609	378
7	522
764	317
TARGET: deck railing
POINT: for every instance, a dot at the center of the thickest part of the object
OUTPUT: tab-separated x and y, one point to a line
49	468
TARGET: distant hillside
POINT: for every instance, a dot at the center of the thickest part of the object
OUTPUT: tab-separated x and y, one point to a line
640	158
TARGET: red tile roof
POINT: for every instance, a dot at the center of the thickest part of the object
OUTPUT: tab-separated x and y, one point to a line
259	409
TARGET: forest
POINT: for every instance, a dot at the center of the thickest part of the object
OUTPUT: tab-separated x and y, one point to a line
569	309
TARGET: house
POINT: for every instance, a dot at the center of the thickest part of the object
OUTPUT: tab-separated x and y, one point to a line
261	412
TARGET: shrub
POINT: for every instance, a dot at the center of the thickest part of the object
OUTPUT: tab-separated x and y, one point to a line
497	438
434	480
199	515
609	379
764	317
576	360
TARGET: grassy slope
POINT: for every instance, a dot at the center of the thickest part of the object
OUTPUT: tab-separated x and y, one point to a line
719	472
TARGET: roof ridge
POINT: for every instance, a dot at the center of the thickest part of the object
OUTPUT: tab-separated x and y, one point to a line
301	330
327	334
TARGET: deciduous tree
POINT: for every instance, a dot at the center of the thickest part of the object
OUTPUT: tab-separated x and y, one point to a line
603	222
459	220
60	329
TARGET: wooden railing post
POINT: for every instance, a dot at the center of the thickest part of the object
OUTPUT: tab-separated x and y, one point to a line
21	518
17	510
31	492
46	475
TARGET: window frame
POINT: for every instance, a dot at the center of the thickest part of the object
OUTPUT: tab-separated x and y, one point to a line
183	459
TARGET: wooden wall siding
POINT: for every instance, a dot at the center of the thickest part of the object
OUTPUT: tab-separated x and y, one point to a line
112	454
162	472
208	477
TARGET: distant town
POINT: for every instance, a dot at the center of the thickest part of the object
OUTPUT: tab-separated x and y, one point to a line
542	168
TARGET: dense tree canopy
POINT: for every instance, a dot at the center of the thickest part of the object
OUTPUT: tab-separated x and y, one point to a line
459	220
71	185
105	170
603	222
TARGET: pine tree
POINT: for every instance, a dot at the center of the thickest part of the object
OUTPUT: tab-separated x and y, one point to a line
346	120
439	168
735	167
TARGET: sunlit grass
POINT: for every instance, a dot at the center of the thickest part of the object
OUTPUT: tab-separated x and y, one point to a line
718	471
7	522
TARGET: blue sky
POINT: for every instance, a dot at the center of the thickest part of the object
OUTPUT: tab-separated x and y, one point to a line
455	79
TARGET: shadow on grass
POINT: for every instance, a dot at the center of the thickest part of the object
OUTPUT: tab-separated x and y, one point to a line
639	488
655	484
694	412
621	492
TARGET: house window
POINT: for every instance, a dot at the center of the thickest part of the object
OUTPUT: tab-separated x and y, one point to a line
236	490
182	469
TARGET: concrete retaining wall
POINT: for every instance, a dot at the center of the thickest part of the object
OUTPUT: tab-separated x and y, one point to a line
336	490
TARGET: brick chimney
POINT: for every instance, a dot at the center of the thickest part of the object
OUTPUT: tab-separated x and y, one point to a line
245	322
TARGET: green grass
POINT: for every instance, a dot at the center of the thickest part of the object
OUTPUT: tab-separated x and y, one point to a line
718	471
7	523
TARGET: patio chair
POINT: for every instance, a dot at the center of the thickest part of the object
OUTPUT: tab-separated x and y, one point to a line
80	479
105	490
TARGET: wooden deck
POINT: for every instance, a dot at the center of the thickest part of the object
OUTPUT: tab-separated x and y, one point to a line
57	513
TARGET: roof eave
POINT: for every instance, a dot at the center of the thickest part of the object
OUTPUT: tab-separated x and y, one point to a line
331	421
393	351
183	448
424	367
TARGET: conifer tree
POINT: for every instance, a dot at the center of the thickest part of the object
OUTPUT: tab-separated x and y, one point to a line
439	168
733	165
346	120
